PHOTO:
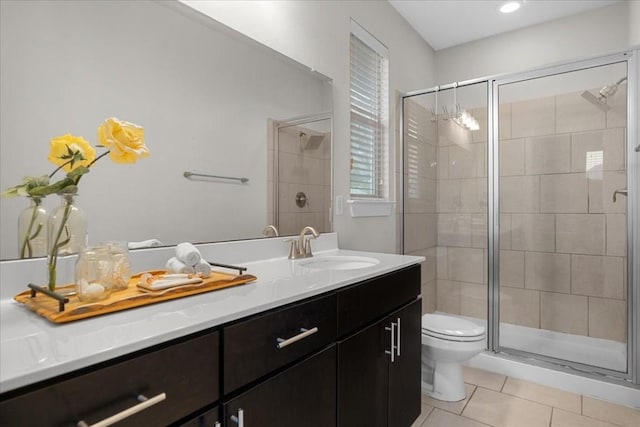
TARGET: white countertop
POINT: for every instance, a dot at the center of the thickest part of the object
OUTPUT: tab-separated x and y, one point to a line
33	349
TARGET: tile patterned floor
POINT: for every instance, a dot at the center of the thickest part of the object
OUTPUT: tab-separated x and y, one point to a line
499	401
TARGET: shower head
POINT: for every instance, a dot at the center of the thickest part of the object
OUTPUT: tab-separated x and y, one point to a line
599	102
310	142
610	90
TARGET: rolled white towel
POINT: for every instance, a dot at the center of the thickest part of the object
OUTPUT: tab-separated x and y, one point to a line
151	243
188	254
203	268
174	265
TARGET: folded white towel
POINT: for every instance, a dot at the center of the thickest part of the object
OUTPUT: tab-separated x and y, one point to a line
174	265
188	254
203	268
151	243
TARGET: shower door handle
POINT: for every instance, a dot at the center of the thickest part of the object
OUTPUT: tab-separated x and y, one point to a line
638	147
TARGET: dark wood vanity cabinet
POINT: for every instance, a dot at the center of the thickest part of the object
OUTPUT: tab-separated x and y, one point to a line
302	395
379	365
324	361
187	372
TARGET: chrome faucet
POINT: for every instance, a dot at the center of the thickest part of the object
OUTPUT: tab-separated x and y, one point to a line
270	229
301	247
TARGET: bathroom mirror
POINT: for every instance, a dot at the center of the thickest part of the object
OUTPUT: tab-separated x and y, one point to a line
207	97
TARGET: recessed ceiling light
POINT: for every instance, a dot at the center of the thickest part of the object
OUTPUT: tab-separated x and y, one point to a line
509	7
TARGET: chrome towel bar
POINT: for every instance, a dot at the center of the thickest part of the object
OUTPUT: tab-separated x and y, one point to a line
188	175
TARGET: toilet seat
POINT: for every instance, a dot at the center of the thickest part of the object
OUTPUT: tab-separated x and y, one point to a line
451	328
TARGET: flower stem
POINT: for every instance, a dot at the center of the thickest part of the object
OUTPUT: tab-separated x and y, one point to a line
25	243
53	255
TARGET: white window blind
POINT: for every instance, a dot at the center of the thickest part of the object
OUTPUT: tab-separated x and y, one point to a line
369	115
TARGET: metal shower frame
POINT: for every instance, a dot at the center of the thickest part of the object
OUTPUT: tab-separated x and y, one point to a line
630	57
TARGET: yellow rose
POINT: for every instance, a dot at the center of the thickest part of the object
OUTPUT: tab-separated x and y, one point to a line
124	140
72	150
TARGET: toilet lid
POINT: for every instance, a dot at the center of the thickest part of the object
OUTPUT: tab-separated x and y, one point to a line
450	326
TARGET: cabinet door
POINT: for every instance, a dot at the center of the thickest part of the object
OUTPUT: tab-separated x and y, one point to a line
303	395
404	372
363	373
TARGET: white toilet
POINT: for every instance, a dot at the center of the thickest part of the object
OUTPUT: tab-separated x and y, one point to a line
447	341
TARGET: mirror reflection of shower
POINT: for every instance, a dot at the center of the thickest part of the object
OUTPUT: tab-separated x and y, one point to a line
300	174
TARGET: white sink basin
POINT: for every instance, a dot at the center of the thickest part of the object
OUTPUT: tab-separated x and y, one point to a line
339	263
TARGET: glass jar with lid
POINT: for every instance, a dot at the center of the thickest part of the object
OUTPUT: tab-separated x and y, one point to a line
121	272
94	271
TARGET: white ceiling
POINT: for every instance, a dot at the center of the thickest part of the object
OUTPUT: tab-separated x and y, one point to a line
446	23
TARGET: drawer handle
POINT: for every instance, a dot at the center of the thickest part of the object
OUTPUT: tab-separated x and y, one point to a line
144	404
239	419
303	334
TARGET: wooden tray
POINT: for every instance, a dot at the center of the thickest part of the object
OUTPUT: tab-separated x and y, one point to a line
125	299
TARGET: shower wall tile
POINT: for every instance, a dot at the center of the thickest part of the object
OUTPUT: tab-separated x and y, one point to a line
289	167
441	253
420	158
311	170
462	161
419	195
480	135
597	276
443	162
512	269
520	194
473	195
564	313
512	157
473	300
504	121
520	307
428	291
479	230
448	296
580	233
575	114
533	232
565	193
617	234
608	319
449	195
480	157
548	272
617	115
454	230
533	117
609	141
601	192
466	265
326	172
419	231
504	228
548	154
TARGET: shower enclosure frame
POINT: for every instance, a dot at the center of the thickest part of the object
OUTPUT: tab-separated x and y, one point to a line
632	376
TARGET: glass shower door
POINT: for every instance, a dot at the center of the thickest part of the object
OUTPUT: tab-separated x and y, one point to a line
562	204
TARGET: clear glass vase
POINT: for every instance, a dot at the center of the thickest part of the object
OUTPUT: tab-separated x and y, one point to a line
32	230
67	233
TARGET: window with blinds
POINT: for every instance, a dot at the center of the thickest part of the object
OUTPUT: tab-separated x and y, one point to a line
369	115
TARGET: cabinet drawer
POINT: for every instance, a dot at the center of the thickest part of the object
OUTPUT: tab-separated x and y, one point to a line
187	372
251	347
372	299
